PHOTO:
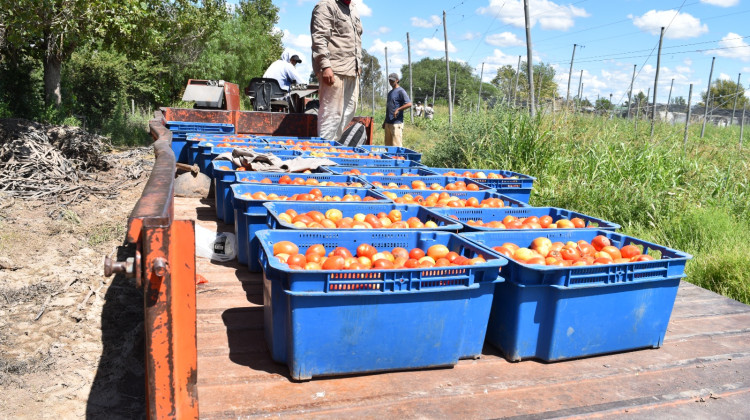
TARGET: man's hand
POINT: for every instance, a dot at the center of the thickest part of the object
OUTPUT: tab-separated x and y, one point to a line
395	113
328	76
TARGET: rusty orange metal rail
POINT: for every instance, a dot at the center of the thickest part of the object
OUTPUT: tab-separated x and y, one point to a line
163	265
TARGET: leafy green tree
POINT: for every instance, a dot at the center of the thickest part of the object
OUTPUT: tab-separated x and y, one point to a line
723	93
603	104
372	76
427	70
545	86
679	101
242	48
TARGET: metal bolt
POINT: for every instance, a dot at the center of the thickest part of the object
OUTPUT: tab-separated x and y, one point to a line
111	267
160	267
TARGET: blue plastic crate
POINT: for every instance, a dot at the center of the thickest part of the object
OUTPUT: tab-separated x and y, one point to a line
284	139
198	127
463	215
407	211
428	180
317	148
180	148
206	158
249	215
519	187
225	137
395	151
559	313
479	195
255	177
344	322
205	151
392	163
224	174
367	171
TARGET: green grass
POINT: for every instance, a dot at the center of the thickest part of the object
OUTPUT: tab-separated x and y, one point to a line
693	198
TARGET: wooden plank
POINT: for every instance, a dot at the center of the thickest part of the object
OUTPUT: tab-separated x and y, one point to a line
700	371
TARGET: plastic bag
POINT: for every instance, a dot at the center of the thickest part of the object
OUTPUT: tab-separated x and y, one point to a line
219	246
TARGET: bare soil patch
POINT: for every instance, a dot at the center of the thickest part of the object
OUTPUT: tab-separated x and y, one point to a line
71	341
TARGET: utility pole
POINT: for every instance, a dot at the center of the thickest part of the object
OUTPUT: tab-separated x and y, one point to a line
656	81
734	108
411	83
434	84
708	96
448	72
687	119
481	74
518	72
529	63
386	70
630	93
539	91
570	74
611	107
648	95
372	74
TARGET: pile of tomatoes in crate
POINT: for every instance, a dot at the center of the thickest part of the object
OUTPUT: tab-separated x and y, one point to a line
367	257
334	219
542	251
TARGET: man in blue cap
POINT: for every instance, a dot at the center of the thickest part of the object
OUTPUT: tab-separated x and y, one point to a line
397	102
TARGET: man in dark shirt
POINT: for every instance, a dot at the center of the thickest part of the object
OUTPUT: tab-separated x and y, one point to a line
397	102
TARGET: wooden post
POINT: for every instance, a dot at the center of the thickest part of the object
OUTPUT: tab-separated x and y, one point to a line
481	74
372	74
455	83
411	83
570	74
448	72
518	73
539	90
611	107
687	118
580	89
742	125
434	84
630	93
736	95
656	81
529	61
132	106
669	98
386	71
708	97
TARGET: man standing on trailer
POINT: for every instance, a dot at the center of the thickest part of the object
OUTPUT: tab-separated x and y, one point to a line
398	101
336	32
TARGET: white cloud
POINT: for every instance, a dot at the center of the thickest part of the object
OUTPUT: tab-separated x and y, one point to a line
364	10
733	46
423	23
724	76
470	36
426	45
688	62
378	47
383	30
549	15
683	25
505	39
301	41
721	3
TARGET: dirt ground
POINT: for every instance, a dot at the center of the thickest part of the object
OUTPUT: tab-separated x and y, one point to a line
71	343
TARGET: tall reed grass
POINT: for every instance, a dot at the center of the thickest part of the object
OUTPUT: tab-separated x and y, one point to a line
693	198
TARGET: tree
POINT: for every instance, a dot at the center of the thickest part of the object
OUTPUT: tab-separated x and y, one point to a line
51	30
427	70
723	93
603	104
679	101
242	48
544	81
372	76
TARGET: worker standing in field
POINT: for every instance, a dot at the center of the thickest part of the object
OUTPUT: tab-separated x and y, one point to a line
419	109
398	101
336	32
284	71
429	111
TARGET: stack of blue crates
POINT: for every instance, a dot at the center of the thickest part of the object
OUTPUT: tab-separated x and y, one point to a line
180	130
342	322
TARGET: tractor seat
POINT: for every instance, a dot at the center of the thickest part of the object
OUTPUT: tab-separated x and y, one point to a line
265	92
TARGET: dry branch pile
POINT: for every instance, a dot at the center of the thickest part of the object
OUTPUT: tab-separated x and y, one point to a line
50	162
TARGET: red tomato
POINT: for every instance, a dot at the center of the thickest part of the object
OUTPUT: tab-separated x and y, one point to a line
285	247
335	262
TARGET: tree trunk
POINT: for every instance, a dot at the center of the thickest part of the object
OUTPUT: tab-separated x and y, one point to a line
52	76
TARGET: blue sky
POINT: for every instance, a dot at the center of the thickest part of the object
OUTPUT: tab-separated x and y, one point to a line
615	35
